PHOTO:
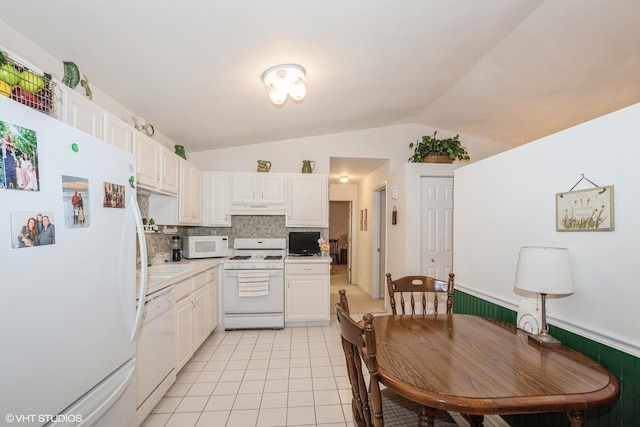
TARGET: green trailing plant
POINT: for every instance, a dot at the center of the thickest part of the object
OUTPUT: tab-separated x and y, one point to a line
429	144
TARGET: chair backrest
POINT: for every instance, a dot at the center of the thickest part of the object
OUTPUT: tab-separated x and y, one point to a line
366	402
333	246
420	285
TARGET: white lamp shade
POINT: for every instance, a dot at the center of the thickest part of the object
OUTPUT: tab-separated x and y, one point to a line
544	270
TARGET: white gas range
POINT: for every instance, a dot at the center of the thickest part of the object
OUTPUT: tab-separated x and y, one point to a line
253	285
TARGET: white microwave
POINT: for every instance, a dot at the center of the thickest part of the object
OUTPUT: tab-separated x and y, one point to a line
205	247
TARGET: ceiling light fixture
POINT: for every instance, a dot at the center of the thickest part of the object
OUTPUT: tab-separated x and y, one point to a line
343	179
285	80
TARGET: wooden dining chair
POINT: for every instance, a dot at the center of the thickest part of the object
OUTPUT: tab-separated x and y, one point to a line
368	401
410	286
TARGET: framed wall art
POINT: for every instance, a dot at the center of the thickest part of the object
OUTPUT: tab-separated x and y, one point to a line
585	210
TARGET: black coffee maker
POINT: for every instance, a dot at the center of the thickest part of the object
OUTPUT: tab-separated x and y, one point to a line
176	249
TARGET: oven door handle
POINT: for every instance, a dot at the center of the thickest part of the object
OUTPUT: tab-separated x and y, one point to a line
237	272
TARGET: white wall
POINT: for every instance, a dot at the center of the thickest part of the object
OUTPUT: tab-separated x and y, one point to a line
508	201
387	143
403	239
29	54
390	142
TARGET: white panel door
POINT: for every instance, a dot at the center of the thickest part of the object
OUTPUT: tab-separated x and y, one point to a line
436	227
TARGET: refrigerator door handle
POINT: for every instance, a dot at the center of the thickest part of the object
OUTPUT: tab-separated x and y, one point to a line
143	267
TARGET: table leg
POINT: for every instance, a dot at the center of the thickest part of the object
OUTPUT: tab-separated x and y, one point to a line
576	418
427	416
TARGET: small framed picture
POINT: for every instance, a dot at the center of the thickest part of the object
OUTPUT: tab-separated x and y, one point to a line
585	210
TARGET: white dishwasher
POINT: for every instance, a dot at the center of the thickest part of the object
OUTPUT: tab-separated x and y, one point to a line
156	351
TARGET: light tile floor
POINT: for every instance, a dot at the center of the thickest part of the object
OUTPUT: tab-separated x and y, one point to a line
288	377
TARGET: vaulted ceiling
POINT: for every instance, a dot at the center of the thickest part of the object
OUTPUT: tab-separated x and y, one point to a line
510	71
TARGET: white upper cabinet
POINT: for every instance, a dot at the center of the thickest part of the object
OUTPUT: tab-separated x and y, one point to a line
186	209
158	168
118	132
258	188
257	194
217	199
190	194
170	171
307	200
81	113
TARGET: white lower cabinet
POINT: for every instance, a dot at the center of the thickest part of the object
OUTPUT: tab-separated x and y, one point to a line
196	313
213	312
184	322
200	316
307	293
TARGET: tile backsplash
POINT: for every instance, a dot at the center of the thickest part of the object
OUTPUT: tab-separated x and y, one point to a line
247	226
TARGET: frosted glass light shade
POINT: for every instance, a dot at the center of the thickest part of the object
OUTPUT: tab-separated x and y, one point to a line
277	97
544	270
285	80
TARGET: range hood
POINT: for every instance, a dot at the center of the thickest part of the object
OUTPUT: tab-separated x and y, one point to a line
257	209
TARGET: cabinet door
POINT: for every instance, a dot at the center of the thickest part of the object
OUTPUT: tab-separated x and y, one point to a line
81	113
170	171
118	133
217	199
263	188
213	306
307	201
245	188
196	196
148	155
200	317
190	194
184	339
307	298
271	188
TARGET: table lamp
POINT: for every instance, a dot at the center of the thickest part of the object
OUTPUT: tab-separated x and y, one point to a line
544	270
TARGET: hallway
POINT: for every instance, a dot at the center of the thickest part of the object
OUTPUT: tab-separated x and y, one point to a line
359	301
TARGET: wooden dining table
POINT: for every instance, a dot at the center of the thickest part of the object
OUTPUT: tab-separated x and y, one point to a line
477	366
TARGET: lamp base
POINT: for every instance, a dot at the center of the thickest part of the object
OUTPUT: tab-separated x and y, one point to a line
543	339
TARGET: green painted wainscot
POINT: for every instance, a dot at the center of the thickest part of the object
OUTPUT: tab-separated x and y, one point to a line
625	412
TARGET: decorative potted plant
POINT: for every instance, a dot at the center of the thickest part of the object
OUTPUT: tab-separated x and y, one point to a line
433	150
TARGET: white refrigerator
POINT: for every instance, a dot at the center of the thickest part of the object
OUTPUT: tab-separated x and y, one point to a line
69	308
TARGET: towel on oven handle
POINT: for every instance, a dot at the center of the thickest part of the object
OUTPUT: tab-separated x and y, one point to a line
253	284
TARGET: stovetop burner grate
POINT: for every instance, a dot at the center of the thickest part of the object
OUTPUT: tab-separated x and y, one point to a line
239	257
273	257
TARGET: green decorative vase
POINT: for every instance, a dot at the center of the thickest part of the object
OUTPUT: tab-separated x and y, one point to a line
180	151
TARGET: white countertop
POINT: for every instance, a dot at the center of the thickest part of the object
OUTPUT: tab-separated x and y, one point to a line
162	280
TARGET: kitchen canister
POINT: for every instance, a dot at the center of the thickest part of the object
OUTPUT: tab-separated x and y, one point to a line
308	166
